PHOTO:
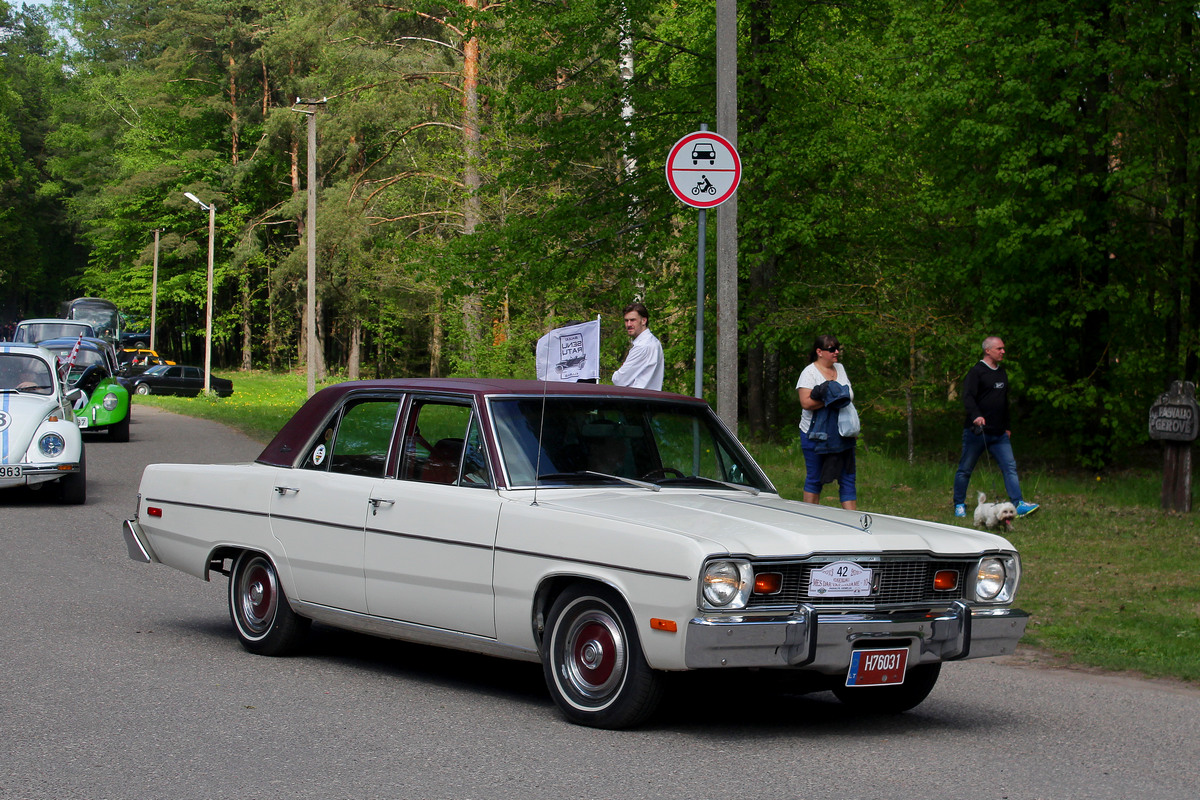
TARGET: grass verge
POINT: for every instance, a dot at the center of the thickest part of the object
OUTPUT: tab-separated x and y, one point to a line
1109	577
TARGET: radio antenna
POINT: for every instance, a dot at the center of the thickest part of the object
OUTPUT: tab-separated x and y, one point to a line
537	469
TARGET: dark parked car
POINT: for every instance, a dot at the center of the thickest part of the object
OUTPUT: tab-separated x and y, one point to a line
174	379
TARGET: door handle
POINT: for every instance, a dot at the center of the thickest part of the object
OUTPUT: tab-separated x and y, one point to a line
285	489
375	501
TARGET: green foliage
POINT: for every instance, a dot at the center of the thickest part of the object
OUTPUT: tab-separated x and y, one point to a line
915	177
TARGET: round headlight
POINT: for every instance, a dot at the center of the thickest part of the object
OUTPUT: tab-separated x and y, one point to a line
110	401
990	581
51	445
727	584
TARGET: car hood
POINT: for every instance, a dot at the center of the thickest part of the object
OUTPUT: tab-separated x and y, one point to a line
20	416
767	525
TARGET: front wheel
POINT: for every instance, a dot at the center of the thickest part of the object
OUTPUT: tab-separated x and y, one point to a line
72	487
918	683
120	431
593	661
264	619
142	388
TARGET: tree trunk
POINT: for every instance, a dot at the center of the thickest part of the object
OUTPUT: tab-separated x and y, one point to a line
352	371
247	338
472	305
235	139
436	334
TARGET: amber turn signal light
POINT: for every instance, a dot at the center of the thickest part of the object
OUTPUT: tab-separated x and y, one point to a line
768	582
667	625
945	580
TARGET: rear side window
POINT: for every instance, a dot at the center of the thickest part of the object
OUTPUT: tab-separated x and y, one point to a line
358	441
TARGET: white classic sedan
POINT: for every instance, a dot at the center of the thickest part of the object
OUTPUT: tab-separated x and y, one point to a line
614	535
40	442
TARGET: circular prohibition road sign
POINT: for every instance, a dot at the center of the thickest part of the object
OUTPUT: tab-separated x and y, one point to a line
703	169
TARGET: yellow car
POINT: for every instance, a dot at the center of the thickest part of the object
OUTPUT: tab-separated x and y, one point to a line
135	361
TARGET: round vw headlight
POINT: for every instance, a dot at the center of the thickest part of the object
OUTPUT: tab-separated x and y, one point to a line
996	580
110	401
51	445
727	584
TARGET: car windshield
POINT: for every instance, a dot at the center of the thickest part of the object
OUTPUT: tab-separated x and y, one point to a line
561	441
100	314
83	360
156	370
25	373
41	331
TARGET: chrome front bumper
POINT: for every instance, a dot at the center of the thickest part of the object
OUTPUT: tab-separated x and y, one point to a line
822	641
137	543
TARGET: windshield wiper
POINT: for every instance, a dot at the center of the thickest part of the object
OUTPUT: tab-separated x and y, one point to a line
583	475
710	482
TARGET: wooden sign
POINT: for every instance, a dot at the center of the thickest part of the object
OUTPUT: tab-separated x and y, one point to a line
1174	419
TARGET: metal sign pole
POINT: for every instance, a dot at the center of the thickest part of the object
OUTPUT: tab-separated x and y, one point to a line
700	245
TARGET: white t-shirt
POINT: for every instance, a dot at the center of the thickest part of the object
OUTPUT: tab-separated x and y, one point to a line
810	378
643	367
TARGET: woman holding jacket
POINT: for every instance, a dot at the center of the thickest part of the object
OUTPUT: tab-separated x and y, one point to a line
825	461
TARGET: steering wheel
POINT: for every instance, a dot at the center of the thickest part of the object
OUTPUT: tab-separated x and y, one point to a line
662	472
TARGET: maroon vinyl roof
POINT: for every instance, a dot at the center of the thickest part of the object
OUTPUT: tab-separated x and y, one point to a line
296	432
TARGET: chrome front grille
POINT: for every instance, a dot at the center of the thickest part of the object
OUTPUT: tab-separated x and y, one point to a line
895	583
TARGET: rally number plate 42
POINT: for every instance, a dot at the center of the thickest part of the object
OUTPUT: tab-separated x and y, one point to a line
877	667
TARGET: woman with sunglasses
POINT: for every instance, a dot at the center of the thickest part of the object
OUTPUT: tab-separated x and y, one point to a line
825	467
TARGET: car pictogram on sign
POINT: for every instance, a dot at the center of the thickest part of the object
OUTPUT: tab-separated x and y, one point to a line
704	151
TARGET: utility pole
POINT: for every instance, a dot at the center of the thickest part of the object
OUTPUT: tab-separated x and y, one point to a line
310	234
727	242
154	291
211	208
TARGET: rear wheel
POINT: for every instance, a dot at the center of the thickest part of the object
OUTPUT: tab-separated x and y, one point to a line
918	683
593	661
261	614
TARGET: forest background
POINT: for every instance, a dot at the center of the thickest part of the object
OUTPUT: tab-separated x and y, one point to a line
916	175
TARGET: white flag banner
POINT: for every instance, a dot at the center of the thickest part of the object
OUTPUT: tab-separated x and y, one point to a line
570	354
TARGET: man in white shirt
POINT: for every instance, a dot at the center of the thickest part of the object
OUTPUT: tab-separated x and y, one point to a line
643	367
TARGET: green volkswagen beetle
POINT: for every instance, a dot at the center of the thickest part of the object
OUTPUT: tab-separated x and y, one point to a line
104	404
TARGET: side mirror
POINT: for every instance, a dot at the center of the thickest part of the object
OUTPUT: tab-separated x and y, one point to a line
74	395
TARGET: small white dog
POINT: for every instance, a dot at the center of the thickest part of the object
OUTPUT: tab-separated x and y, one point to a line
991	515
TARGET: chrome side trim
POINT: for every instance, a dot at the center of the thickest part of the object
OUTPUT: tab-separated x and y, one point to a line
412	632
137	543
824	641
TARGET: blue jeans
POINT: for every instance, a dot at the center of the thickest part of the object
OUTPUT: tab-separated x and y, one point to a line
847	483
972	448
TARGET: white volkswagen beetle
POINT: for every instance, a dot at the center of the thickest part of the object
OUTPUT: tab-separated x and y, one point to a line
612	534
39	437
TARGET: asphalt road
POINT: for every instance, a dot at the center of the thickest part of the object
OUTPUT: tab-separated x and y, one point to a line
124	680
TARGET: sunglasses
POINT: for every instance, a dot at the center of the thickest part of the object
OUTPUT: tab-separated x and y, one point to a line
837	348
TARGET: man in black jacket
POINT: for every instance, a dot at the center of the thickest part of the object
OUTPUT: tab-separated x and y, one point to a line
985	396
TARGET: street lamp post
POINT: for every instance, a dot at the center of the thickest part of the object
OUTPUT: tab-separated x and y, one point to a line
211	208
